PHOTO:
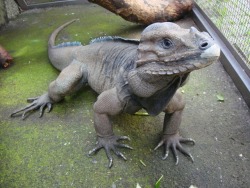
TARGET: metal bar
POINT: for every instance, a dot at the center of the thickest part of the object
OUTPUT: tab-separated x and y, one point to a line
24	6
232	62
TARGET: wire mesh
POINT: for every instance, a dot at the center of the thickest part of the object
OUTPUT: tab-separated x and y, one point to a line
232	18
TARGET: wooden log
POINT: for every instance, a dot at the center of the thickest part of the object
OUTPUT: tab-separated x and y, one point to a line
147	11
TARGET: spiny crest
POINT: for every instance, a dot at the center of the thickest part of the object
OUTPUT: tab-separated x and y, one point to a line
161	26
66	44
114	39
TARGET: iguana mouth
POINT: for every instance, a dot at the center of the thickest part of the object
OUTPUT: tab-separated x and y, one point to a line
159	68
180	64
169	66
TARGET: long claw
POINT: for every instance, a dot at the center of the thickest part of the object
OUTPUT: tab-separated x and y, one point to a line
185	152
123	138
187	140
124	146
28	110
109	157
110	162
94	150
23	109
49	107
24	114
159	145
42	110
29	100
166	155
175	155
191	157
176	160
167	146
121	155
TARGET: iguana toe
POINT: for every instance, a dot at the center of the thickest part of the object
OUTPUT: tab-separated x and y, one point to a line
187	140
94	150
30	100
123	138
173	142
42	108
124	146
25	112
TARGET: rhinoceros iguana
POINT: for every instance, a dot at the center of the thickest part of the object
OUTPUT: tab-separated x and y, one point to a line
130	75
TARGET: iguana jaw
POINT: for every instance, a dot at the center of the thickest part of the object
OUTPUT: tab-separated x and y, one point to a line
182	64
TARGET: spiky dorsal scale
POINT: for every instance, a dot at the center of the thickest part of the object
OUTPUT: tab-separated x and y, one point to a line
99	39
114	39
66	44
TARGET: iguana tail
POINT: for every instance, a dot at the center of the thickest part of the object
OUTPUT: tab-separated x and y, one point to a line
60	55
52	38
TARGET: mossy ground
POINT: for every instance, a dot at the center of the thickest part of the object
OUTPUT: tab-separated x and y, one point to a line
52	151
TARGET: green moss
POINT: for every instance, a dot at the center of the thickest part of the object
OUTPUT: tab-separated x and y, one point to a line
42	154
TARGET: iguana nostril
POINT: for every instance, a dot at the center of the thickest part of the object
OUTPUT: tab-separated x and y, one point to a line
204	45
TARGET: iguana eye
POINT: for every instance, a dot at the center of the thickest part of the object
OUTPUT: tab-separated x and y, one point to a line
166	43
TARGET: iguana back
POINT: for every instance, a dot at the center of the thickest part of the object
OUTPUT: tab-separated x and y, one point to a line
105	60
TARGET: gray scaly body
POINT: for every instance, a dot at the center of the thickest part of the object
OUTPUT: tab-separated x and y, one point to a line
130	75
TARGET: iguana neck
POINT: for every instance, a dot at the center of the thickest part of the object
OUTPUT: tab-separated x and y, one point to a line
145	85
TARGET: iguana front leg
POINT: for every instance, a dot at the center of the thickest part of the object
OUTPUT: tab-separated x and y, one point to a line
69	80
172	120
107	105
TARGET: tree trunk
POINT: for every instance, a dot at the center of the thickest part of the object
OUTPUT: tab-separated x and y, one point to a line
147	11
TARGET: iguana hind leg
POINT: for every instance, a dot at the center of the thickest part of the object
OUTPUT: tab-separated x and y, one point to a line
172	120
107	104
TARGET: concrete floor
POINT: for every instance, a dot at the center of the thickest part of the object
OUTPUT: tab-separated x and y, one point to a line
52	151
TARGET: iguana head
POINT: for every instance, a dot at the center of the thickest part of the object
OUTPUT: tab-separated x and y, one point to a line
167	49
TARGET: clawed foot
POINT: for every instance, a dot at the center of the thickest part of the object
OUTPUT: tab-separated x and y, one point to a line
41	103
110	144
174	142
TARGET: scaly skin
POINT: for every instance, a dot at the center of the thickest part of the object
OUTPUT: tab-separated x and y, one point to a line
130	75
